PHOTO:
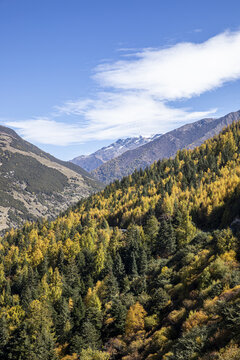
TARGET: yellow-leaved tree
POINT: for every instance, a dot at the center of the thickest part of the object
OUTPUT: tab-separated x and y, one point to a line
135	319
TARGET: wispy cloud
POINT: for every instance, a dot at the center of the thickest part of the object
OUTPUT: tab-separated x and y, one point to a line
46	131
181	71
128	113
136	93
110	117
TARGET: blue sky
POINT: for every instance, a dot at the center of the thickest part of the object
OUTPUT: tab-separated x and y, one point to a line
76	75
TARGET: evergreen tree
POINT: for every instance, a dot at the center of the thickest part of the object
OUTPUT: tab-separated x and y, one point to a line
4	336
63	320
78	313
143	262
166	241
111	289
151	229
160	300
119	270
90	337
119	312
60	261
133	266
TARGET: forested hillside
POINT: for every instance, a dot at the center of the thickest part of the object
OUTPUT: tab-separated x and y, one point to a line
146	269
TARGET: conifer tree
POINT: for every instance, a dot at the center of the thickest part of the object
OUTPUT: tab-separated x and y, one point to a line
111	287
119	269
166	241
151	229
90	336
4	336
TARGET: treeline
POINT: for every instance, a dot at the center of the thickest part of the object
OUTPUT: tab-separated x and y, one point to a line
146	269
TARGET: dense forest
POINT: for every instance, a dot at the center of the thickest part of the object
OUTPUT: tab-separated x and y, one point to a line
148	268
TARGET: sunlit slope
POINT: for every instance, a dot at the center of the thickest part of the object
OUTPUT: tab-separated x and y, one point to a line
35	184
148	268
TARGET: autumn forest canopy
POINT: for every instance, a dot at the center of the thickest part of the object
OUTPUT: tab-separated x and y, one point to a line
148	268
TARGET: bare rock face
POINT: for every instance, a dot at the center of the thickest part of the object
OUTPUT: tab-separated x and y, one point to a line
34	184
185	137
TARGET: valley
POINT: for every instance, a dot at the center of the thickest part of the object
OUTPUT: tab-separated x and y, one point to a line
147	268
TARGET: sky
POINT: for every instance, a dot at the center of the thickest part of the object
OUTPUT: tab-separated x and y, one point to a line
76	75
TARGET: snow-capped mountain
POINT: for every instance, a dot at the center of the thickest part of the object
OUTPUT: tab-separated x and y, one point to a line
94	160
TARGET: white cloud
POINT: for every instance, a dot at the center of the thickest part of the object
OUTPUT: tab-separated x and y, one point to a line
136	92
111	117
45	131
74	107
122	114
181	71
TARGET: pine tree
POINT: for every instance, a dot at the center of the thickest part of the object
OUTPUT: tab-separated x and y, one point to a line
4	336
43	267
78	312
143	262
133	266
62	319
151	229
119	270
90	336
119	312
166	241
60	261
37	338
160	300
111	287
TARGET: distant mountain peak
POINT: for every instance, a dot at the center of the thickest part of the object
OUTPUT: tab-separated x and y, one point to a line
186	137
115	149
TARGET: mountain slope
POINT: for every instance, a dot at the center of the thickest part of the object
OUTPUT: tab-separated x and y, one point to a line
187	136
34	183
146	269
92	161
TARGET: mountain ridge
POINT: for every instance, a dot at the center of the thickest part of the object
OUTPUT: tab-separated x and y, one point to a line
34	183
187	136
99	157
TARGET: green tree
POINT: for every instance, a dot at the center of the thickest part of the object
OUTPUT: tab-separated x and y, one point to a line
166	240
